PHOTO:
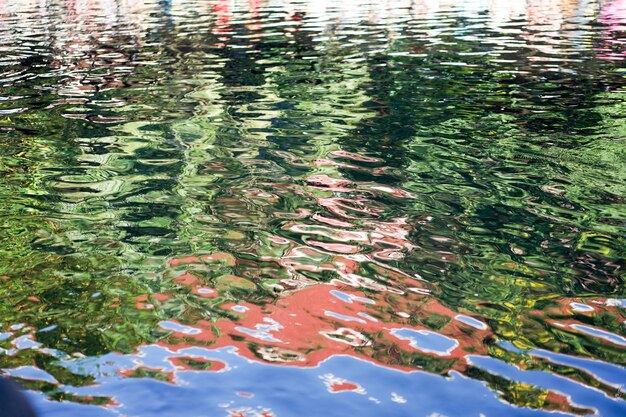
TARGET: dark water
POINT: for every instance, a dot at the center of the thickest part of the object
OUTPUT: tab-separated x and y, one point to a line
273	208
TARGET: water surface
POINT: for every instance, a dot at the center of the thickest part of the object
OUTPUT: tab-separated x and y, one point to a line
275	208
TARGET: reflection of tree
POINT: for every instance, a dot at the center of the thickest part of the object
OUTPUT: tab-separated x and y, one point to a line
261	161
469	171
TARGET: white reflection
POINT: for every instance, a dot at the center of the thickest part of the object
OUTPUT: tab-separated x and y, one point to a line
75	27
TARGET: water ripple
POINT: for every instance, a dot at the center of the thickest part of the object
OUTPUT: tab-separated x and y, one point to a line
412	208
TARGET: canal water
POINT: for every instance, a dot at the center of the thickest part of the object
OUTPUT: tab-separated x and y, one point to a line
256	208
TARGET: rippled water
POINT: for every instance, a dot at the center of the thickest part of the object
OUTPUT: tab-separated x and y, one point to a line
274	208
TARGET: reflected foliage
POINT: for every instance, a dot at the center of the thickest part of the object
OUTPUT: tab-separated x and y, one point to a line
198	175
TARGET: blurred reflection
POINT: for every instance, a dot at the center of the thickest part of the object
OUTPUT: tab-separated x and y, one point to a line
313	203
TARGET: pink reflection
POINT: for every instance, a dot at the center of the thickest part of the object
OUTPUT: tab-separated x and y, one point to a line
222	12
254	7
613	15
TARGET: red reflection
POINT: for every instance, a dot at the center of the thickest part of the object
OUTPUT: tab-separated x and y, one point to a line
343	386
336	385
309	325
223	16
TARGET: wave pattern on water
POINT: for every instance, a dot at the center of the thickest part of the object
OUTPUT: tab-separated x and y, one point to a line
262	207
